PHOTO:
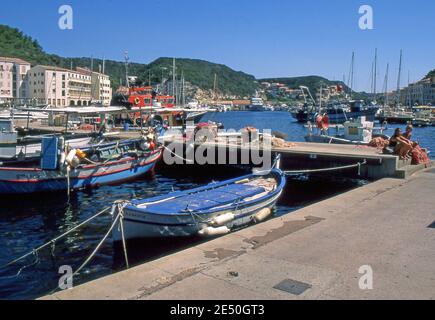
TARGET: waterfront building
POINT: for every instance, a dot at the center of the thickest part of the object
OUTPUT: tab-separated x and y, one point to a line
13	79
59	87
419	93
101	88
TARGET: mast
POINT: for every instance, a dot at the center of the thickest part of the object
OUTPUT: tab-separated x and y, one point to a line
350	79
214	86
126	68
375	73
409	92
173	76
398	77
386	85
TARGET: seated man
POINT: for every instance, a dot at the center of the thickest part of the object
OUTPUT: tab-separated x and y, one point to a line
401	145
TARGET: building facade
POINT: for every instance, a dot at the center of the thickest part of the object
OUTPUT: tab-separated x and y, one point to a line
59	87
419	93
101	88
13	79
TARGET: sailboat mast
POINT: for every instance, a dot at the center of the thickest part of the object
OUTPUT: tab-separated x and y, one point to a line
126	69
386	84
173	76
398	77
214	86
375	72
350	78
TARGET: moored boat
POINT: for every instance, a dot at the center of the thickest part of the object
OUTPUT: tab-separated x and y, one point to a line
77	170
214	209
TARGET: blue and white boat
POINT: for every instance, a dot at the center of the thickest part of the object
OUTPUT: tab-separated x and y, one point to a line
214	209
77	169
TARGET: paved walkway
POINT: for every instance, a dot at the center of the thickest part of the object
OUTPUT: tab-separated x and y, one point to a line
384	225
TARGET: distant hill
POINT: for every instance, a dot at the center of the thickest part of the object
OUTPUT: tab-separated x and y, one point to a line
313	83
431	74
13	43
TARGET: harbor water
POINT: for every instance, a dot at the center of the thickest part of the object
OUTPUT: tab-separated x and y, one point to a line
27	222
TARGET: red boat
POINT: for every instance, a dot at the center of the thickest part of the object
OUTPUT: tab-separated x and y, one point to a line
140	97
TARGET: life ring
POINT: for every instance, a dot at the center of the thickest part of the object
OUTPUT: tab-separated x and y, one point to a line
322	122
136	101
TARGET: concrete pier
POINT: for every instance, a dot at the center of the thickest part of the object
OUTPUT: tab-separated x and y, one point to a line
313	253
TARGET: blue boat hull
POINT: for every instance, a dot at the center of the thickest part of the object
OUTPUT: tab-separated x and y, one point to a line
26	181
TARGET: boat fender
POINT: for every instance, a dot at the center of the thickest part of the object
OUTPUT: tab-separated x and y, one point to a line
69	158
262	215
75	162
210	231
80	154
222	219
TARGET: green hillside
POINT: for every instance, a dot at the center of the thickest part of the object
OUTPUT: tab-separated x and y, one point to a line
431	74
201	73
13	43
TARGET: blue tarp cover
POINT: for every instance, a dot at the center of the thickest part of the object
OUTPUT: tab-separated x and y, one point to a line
205	200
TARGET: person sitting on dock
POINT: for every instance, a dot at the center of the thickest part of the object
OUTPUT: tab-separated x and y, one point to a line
408	132
401	145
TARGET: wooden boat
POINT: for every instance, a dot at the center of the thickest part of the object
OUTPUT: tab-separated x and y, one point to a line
77	170
210	210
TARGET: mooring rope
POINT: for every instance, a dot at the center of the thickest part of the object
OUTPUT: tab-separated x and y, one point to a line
119	206
356	165
88	259
179	157
53	241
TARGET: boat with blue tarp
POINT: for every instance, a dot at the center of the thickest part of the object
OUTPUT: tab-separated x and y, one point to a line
214	209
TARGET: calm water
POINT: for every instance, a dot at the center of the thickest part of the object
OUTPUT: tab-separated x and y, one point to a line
27	222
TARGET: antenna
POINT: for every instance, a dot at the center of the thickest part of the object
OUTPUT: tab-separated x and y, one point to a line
104	65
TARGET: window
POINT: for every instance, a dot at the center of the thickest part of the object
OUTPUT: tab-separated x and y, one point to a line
63	93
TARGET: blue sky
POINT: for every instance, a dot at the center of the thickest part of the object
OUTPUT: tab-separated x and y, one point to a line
266	38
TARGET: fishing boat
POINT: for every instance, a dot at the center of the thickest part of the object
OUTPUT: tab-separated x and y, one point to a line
28	148
76	169
356	131
214	209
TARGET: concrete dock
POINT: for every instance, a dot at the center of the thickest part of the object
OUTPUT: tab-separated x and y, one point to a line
313	253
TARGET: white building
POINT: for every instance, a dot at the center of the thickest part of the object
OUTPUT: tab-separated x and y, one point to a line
59	87
101	88
419	93
13	79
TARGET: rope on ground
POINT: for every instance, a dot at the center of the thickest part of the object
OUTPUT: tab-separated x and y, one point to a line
53	241
356	165
176	155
